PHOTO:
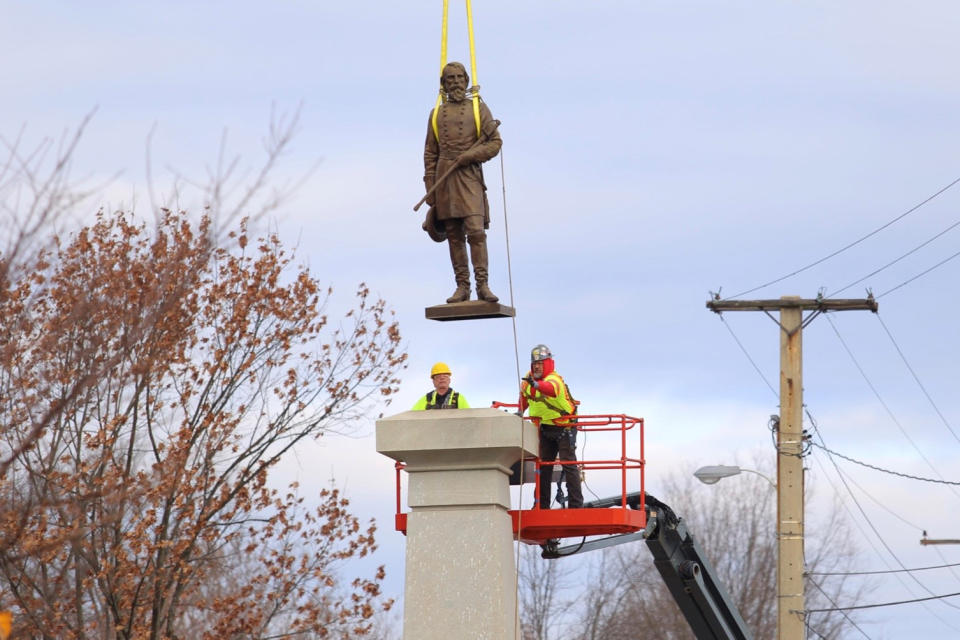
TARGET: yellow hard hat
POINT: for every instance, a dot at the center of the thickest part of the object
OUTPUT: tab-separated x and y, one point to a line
439	368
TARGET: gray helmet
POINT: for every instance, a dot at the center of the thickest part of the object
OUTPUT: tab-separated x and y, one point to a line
434	228
539	353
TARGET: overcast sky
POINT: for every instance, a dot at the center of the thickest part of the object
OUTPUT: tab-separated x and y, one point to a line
654	152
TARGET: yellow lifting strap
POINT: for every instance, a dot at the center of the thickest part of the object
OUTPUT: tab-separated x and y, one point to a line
443	63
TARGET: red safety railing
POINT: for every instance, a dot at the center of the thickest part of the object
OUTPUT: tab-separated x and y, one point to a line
538	525
593	423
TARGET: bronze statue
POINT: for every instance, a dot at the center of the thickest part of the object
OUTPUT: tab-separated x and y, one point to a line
460	200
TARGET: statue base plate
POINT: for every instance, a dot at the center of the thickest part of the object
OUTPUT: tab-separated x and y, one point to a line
470	310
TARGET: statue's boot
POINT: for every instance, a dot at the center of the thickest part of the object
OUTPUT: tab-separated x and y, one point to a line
478	254
461	268
484	293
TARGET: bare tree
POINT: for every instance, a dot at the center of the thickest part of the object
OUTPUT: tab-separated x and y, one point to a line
150	380
36	192
610	587
541	599
39	197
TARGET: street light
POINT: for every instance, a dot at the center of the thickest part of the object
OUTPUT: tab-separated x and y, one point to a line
712	474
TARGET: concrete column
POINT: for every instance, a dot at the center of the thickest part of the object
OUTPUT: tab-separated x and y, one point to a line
460	570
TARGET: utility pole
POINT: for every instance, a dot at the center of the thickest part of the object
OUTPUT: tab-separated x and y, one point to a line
790	561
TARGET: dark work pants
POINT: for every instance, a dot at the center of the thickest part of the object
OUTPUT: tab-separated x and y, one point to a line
554	441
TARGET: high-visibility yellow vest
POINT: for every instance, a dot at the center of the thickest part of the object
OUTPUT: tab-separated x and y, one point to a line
546	408
453	401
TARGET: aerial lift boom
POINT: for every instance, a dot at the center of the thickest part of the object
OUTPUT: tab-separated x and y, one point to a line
688	574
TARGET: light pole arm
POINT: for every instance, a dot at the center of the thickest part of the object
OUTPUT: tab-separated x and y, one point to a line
772	483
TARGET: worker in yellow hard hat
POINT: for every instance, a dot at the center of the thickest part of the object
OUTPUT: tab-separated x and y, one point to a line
442	396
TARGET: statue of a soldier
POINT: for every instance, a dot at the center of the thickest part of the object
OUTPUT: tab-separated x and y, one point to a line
460	201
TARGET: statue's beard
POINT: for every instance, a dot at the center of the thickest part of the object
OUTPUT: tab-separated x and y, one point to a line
457	94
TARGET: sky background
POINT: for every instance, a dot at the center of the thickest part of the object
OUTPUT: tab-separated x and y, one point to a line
654	152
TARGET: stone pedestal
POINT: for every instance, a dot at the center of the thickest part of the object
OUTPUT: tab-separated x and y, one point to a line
460	570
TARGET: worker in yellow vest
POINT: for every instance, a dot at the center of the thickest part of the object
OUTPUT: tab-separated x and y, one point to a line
545	393
442	396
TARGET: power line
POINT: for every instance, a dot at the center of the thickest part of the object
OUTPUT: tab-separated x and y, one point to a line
876	468
876	532
919	275
890	264
853	519
844	613
871	573
814	631
883	604
852	244
884	506
866	537
940	553
744	350
881	400
917	379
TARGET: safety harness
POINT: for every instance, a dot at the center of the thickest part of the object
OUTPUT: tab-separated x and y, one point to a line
453	401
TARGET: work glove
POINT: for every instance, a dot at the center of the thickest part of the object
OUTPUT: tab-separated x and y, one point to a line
533	383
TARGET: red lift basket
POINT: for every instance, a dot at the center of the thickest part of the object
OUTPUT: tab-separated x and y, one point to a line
536	526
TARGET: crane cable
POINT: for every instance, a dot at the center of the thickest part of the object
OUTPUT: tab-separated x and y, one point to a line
516	357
